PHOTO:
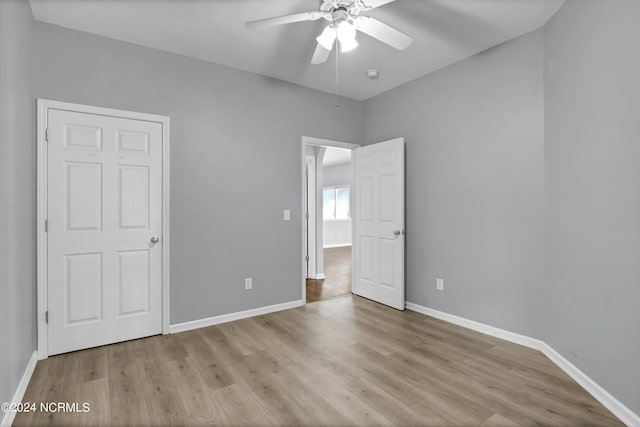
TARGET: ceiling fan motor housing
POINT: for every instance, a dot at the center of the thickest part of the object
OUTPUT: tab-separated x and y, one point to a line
348	7
334	4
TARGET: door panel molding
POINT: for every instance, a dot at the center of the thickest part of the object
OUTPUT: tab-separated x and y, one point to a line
132	142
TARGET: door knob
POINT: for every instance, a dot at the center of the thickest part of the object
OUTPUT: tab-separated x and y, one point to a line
155	239
397	232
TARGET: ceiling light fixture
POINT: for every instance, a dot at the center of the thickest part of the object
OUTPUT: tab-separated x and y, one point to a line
345	33
327	38
347	36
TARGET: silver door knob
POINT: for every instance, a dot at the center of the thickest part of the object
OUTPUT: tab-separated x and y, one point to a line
397	232
155	239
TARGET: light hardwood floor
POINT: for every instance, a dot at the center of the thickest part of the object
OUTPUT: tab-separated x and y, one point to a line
345	361
337	281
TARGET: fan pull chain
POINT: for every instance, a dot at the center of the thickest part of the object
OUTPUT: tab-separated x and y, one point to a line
339	73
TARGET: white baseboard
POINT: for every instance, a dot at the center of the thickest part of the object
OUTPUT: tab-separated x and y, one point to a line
320	276
230	317
625	414
8	418
477	326
608	401
336	245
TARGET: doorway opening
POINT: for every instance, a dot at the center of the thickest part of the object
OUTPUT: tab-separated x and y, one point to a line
327	224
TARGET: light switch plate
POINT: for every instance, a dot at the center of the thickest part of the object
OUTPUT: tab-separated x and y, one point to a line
287	215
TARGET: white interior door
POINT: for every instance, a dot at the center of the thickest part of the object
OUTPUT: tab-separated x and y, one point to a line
104	250
378	246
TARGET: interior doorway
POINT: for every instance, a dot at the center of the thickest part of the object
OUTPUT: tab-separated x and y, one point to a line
327	225
103	226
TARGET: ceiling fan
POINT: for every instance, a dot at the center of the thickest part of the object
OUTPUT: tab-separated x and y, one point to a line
344	22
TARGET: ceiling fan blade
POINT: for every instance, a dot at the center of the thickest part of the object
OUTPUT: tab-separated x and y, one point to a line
287	19
383	32
321	55
372	4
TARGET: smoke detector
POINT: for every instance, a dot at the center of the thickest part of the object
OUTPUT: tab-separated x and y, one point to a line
373	74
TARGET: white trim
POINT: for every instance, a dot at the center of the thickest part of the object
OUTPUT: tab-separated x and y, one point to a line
309	202
618	409
352	214
308	140
230	317
336	245
8	418
41	235
41	209
166	229
320	276
477	326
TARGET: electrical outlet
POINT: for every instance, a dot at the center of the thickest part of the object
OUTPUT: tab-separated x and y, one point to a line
440	284
248	283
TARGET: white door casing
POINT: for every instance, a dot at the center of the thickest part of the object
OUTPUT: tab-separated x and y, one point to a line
379	235
310	216
104	204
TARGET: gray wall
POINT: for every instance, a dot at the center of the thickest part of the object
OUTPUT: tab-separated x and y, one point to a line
337	175
474	136
235	159
592	115
17	197
336	232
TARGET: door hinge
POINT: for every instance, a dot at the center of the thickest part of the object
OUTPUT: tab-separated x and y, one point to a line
46	316
46	134
306	258
306	215
46	225
306	171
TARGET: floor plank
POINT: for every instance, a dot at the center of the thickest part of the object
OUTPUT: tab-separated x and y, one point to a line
337	271
344	361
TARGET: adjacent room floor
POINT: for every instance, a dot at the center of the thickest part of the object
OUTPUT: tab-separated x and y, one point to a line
345	361
337	281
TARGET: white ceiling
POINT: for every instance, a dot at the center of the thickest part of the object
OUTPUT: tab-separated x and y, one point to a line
444	32
336	156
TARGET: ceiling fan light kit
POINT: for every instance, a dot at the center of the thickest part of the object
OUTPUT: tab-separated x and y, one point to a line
345	33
